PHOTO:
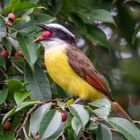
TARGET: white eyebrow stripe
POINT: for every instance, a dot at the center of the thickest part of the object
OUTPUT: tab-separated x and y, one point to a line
55	25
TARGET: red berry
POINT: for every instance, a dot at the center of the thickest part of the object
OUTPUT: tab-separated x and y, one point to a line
4	53
7	125
37	137
64	116
46	34
12	17
19	53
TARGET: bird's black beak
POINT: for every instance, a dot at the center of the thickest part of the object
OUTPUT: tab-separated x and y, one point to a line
44	27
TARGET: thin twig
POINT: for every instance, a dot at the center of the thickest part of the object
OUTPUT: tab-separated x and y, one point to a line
4	73
97	119
136	122
16	67
30	112
25	134
112	129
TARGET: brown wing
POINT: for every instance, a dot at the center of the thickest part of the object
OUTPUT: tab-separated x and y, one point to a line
84	68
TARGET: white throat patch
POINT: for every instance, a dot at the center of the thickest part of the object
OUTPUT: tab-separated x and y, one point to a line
54	44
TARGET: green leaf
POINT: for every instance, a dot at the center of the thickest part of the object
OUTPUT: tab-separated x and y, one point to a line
97	34
79	22
14	85
3	95
9	135
8	114
7	44
28	48
25	104
103	102
80	113
25	5
104	107
18	6
42	18
126	23
39	84
97	14
37	116
2	62
18	107
50	124
76	125
13	42
102	112
103	133
11	6
127	129
21	96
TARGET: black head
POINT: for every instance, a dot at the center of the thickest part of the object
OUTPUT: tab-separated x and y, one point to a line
55	30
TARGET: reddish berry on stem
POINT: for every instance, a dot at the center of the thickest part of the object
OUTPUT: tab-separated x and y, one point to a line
46	34
19	53
64	116
7	125
37	137
12	17
4	53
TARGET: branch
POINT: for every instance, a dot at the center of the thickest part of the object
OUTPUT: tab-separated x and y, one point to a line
30	112
136	122
16	67
25	134
4	73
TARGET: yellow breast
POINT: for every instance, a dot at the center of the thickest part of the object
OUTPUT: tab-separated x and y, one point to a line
61	72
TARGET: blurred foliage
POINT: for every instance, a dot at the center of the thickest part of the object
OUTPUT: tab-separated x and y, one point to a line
107	31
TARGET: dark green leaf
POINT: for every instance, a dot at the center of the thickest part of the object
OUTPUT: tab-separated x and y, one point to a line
14	85
18	6
25	104
2	62
8	114
24	5
50	119
21	96
97	14
103	133
14	2
97	34
78	21
13	42
7	136
7	44
126	23
3	95
37	116
28	48
80	113
127	129
42	18
76	125
39	84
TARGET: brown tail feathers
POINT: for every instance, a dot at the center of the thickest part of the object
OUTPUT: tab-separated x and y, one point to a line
120	112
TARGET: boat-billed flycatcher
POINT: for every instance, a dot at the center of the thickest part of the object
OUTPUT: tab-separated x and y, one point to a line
71	69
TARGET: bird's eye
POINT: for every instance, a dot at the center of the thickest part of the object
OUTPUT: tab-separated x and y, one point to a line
46	34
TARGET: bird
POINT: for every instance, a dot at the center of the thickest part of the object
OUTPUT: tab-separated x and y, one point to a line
71	69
